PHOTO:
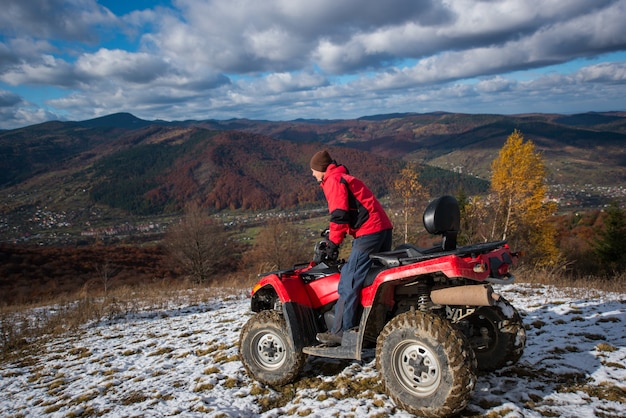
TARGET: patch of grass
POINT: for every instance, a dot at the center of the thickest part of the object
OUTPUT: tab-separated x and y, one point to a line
10	374
257	390
231	382
130	352
134	397
220	346
203	387
569	348
203	409
538	324
203	352
84	397
80	352
212	370
575	310
275	400
183	354
603	391
498	413
355	388
54	386
606	347
113	337
53	408
609	319
161	351
222	357
593	337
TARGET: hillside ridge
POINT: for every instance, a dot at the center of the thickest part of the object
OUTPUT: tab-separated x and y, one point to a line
119	166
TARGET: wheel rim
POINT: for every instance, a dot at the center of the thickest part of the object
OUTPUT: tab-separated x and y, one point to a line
269	351
417	368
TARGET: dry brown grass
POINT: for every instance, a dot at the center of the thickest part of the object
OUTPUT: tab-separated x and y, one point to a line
562	278
24	327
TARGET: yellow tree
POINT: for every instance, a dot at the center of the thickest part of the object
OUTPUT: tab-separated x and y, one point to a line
519	185
409	190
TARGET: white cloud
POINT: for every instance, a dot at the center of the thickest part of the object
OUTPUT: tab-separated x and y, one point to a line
139	67
605	72
48	71
59	19
284	82
249	58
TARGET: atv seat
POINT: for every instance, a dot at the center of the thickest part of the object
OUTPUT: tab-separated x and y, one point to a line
394	258
441	217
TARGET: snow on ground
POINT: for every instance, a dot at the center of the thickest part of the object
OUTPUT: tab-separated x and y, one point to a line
183	361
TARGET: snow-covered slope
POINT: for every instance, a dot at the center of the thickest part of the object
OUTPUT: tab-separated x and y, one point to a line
183	361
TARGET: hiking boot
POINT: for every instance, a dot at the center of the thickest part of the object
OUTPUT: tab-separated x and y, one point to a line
329	338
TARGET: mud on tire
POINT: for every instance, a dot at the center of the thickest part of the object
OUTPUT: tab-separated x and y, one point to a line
266	350
497	335
426	365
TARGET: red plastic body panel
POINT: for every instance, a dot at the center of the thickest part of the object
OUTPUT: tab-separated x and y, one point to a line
317	293
288	288
323	291
291	288
452	266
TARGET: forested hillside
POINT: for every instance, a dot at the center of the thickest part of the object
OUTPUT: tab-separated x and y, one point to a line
159	168
120	167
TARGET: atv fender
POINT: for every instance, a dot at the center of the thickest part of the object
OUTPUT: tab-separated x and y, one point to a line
287	290
301	325
300	318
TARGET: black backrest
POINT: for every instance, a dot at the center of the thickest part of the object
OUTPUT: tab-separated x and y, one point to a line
443	217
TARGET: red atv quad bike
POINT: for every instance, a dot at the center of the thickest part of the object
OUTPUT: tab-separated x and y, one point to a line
431	315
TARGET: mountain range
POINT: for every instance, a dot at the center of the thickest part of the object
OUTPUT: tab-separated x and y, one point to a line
122	166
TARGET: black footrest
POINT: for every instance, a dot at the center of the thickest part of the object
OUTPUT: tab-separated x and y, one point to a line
350	348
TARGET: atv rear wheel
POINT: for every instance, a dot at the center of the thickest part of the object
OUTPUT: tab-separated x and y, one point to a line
266	350
426	365
497	335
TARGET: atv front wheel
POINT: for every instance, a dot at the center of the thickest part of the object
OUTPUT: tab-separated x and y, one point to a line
426	365
266	350
497	335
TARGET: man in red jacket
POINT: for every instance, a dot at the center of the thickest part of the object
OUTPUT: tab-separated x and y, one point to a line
353	210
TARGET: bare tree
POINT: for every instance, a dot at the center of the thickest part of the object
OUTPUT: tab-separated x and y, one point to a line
106	272
199	245
280	245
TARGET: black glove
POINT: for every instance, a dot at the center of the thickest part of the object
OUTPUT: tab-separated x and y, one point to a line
325	250
331	250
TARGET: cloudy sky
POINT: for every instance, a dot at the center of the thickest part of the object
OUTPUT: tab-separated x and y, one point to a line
326	59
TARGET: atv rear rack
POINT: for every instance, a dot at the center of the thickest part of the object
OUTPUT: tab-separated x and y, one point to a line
408	254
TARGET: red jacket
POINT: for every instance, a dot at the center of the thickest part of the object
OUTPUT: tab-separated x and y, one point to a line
353	207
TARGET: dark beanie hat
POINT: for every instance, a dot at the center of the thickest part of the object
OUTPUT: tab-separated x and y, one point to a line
321	160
